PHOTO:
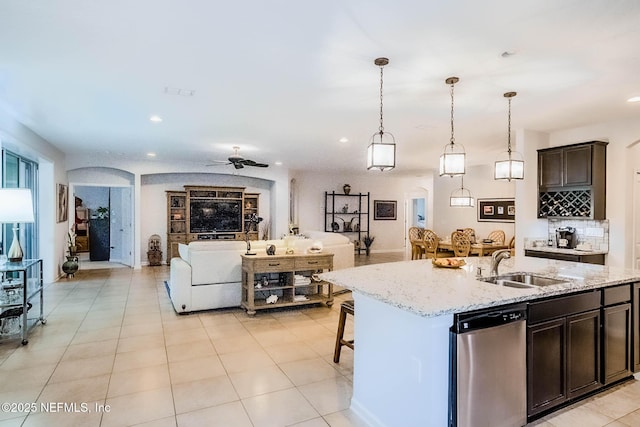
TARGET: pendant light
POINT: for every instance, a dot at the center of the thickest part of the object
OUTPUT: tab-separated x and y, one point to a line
509	165
381	153
461	197
452	161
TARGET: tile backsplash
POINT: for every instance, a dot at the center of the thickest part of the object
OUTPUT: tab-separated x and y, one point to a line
589	231
592	232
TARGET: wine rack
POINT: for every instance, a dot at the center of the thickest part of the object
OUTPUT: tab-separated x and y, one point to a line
574	204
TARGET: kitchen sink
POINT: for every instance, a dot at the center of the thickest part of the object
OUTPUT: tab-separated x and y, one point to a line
522	280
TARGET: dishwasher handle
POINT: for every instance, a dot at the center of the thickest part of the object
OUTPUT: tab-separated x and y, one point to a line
467	322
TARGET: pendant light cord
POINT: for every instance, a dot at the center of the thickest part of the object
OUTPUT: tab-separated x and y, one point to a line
452	138
509	130
381	128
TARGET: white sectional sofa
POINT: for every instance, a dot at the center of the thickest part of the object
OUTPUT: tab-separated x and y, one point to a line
208	273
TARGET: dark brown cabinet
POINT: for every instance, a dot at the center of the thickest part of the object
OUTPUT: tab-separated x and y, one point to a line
550	168
576	165
583	353
563	346
616	328
546	353
586	258
617	336
571	181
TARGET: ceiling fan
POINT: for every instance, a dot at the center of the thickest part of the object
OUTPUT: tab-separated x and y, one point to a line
238	161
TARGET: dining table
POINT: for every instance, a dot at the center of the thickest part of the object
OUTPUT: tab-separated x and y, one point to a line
478	248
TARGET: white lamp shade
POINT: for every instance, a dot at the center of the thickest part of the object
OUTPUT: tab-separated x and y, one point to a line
452	161
16	205
509	169
509	166
381	155
461	198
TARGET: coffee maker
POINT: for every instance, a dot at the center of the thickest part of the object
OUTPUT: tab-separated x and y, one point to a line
566	238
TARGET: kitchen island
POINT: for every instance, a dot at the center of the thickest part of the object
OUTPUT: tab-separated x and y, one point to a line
404	312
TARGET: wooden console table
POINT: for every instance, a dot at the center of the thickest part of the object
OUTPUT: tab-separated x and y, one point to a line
291	278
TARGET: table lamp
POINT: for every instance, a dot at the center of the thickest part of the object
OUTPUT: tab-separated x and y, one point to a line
16	206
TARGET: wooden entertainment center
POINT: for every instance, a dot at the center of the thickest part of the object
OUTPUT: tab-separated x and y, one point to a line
209	213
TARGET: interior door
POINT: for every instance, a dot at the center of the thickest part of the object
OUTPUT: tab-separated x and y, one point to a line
121	225
127	225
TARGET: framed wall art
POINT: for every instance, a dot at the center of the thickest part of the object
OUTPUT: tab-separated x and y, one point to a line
496	210
385	209
63	202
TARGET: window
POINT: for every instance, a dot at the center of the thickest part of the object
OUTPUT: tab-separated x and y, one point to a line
20	172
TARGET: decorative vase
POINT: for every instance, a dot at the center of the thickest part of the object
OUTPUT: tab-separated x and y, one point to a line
70	266
346	188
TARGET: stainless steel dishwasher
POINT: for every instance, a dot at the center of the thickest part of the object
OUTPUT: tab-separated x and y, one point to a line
488	386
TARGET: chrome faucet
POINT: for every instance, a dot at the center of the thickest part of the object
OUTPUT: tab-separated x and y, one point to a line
496	257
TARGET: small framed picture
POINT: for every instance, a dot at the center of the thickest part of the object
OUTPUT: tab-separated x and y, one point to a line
496	210
63	203
384	209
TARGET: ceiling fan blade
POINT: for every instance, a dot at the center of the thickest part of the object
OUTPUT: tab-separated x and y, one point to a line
248	162
218	163
237	165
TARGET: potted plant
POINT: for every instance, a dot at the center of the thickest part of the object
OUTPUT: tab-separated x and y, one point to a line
71	240
102	212
368	241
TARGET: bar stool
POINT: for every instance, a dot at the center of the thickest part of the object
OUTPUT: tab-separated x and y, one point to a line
346	307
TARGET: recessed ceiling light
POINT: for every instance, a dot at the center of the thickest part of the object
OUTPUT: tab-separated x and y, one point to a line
278	163
634	99
155	119
151	154
344	139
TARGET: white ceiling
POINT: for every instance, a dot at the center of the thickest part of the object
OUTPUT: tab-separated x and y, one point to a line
286	79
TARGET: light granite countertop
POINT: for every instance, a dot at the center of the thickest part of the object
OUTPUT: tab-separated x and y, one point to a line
553	250
419	287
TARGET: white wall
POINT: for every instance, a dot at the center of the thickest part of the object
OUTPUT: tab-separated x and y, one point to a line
527	223
389	234
479	180
21	140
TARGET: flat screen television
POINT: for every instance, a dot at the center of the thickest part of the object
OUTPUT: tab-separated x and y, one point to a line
211	216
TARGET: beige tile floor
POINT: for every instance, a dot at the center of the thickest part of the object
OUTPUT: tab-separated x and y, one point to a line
112	340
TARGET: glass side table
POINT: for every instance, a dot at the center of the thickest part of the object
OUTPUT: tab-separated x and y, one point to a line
21	288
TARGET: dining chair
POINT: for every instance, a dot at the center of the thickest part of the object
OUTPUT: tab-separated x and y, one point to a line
461	243
432	249
512	245
497	236
415	238
430	243
471	233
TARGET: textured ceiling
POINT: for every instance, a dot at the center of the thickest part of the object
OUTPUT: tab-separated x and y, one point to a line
285	80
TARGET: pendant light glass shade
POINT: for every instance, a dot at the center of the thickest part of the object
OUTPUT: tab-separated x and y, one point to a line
453	159
461	197
381	153
510	164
